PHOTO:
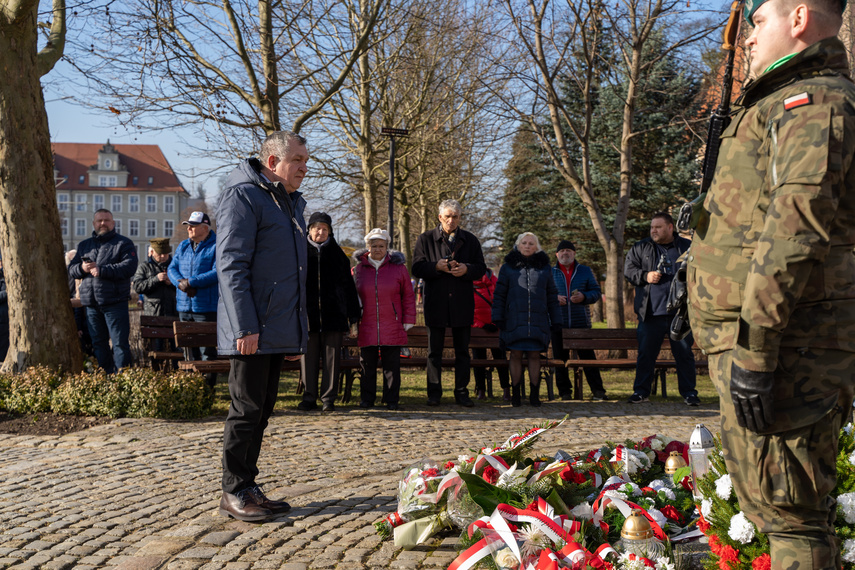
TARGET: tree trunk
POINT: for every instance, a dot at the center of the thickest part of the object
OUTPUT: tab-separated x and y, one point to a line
614	287
42	329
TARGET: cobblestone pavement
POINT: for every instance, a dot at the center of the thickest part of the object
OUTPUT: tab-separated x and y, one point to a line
143	494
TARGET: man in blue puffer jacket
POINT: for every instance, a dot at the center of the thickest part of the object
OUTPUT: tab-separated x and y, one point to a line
261	317
577	288
105	264
193	271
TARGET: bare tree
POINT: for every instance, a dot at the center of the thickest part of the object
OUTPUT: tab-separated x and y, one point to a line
228	67
42	329
421	73
569	45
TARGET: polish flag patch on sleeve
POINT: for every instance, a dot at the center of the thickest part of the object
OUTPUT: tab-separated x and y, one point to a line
796	101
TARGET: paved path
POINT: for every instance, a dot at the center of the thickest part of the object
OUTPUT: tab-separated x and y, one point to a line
143	494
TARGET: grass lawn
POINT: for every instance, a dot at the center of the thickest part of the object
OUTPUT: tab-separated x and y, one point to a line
618	385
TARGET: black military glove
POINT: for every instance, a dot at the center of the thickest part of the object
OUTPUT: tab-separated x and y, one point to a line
752	398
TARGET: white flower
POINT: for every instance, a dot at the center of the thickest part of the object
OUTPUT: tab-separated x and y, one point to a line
668	493
512	477
506	559
849	548
583	511
723	487
706	508
615	494
630	489
741	529
464	459
847	505
847	428
633	460
630	561
657	484
657	515
533	541
852	458
663	563
657	444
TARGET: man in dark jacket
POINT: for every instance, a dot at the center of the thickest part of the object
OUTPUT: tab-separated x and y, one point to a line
105	263
650	266
333	308
152	281
577	288
449	260
261	317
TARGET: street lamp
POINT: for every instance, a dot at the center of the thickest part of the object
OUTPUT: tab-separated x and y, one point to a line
392	133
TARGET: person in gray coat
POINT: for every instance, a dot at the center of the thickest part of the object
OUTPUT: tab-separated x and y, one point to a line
261	315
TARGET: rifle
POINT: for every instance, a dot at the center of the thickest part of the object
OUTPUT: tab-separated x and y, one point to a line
691	212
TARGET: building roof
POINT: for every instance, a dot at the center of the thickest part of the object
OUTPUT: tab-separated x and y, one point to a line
142	161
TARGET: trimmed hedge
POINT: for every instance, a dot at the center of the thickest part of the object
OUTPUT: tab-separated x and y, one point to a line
132	392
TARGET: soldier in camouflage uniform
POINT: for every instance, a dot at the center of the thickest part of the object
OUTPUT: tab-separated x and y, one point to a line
771	278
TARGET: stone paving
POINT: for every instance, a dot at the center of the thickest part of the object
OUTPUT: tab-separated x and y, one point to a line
143	494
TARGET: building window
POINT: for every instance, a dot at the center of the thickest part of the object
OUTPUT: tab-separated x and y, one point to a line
107	181
118	226
80	227
108	163
62	202
133	228
81	179
169	204
150	180
63	223
150	228
80	203
151	204
97	202
136	180
116	204
168	228
133	203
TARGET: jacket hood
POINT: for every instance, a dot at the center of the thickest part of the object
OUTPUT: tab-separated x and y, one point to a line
392	256
517	260
249	172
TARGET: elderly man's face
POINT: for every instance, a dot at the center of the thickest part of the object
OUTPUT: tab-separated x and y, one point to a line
198	232
103	223
565	256
449	219
290	169
159	257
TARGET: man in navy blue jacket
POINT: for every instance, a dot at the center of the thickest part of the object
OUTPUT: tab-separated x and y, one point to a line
105	264
577	288
193	271
261	317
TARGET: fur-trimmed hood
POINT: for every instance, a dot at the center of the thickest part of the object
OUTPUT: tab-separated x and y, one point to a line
517	260
392	255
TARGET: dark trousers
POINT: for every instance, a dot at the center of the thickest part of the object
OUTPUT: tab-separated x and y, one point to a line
326	346
650	332
562	375
436	343
253	386
480	372
391	362
110	323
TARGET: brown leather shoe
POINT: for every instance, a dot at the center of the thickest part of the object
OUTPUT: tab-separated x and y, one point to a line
276	507
243	507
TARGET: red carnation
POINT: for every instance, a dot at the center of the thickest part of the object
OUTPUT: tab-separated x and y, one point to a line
571	475
686	482
729	553
432	472
448	466
491	474
703	525
715	544
672	513
763	562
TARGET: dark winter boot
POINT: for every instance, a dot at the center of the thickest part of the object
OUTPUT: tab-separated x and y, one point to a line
534	397
516	395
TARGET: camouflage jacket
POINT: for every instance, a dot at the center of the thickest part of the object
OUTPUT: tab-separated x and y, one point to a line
774	265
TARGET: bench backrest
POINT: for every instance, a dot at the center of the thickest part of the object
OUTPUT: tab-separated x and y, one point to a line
156	327
191	333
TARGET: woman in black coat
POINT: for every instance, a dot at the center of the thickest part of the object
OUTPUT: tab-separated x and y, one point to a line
525	308
332	307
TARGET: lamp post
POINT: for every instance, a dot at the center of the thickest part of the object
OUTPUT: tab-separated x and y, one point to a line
392	133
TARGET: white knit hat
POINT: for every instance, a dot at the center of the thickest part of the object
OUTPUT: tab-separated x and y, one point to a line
377	233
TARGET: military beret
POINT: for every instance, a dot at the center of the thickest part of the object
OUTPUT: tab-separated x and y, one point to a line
752	5
161	245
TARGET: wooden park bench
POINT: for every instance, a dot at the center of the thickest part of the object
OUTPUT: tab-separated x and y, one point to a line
158	328
606	340
198	334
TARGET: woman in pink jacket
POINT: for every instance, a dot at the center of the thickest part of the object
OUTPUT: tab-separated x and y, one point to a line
388	312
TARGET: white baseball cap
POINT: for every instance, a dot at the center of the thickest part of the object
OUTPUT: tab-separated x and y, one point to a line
377	233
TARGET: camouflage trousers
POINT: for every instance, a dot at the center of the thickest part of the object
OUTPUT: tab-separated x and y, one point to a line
783	479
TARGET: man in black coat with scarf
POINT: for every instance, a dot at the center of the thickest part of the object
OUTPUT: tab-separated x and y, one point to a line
449	260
